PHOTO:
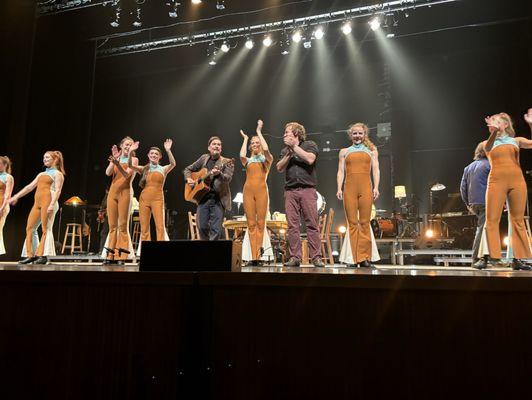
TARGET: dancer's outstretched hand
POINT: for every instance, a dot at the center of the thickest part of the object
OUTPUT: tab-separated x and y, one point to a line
528	116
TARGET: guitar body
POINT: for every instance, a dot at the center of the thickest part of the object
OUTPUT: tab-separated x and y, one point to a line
200	188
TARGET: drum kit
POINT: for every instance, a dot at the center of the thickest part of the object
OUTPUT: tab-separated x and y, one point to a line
382	225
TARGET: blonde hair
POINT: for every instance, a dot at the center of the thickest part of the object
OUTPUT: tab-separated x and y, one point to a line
297	129
57	156
510	128
7	162
368	143
126	138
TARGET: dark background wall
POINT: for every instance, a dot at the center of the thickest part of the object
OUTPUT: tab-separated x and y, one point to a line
442	84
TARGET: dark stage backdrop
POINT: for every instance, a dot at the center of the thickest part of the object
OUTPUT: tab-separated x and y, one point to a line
440	84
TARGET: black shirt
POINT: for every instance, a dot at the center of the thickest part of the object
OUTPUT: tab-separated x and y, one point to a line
211	162
298	173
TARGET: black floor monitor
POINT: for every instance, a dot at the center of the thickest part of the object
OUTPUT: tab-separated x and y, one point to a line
186	255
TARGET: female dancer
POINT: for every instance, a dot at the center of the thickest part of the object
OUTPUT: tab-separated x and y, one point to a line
49	185
256	194
6	187
119	201
506	184
152	196
357	163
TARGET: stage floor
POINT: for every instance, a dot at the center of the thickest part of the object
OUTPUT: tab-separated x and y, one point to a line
337	269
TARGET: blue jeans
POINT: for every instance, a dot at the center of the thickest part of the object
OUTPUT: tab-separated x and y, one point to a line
209	217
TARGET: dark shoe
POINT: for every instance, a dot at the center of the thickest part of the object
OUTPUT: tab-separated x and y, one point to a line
28	260
366	264
43	260
293	262
318	263
252	263
480	264
351	266
518	264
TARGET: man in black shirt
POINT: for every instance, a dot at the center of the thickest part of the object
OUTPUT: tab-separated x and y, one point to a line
298	159
210	212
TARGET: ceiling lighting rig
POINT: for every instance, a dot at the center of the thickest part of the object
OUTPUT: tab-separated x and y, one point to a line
314	27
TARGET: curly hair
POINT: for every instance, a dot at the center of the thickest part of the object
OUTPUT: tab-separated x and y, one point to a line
297	129
368	143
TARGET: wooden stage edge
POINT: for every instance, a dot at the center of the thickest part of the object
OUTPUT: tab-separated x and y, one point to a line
398	277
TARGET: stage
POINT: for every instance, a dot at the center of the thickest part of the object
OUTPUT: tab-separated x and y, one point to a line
277	269
263	333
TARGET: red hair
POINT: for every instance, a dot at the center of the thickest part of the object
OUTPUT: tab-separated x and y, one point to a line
57	156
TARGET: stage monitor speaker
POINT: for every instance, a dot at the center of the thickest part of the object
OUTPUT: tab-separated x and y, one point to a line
190	255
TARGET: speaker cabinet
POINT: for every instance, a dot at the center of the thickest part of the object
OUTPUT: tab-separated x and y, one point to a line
190	255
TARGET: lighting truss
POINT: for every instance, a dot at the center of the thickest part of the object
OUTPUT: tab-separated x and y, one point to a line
262	29
55	7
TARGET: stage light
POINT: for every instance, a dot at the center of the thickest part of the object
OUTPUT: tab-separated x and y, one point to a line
116	22
506	241
346	28
429	233
267	41
196	1
296	36
225	47
285	52
319	33
220	5
173	4
138	22
307	44
249	43
212	62
390	35
342	229
374	23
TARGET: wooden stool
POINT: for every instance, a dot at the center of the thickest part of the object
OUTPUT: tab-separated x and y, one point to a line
73	232
135	237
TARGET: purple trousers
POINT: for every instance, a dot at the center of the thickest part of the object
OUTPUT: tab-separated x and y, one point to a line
302	202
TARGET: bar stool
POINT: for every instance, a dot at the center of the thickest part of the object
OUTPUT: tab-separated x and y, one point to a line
73	232
135	237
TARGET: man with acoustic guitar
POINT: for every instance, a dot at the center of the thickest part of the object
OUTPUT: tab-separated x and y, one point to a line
208	186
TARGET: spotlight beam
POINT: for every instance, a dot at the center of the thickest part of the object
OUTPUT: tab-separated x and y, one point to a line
259	29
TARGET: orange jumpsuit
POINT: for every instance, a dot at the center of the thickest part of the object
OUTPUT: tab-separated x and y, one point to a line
506	182
3	183
152	202
39	215
358	198
118	207
256	201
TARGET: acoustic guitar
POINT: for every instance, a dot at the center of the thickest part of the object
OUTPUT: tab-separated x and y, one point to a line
202	183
